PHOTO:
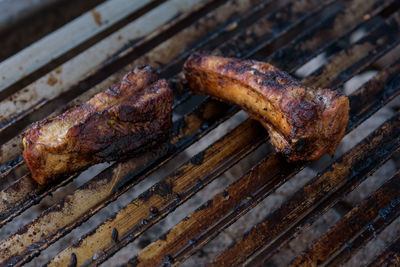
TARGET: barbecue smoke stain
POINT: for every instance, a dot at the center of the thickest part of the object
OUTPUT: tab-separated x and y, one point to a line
97	17
52	80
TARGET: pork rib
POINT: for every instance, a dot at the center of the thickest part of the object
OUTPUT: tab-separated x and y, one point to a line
125	119
303	123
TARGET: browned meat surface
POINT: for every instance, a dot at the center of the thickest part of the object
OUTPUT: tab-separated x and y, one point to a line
303	123
125	119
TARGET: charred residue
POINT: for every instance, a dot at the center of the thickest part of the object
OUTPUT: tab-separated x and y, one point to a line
197	159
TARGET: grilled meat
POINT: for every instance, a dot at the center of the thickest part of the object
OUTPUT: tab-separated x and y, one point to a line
125	119
303	123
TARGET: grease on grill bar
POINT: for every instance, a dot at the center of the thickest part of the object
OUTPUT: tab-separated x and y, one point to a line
284	33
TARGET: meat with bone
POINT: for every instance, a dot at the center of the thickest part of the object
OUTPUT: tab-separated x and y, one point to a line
303	123
128	118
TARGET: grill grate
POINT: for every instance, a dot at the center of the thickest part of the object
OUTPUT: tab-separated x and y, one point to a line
284	33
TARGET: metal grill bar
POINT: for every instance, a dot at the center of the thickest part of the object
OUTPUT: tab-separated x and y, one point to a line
386	216
364	51
209	220
353	223
341	177
26	23
206	222
329	33
166	195
41	57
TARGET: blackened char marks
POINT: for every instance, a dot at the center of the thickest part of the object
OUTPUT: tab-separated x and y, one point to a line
299	113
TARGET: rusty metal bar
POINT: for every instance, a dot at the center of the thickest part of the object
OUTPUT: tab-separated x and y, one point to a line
372	96
335	29
389	257
23	25
206	222
374	229
12	174
386	216
262	32
30	195
375	44
180	254
66	42
152	205
342	176
190	234
383	201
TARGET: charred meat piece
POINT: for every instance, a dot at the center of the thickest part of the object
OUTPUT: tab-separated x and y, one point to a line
128	118
303	123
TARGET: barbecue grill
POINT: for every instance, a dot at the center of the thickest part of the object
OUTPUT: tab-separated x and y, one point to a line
92	52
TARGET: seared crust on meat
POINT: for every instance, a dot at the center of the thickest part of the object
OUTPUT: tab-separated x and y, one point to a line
125	119
303	123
